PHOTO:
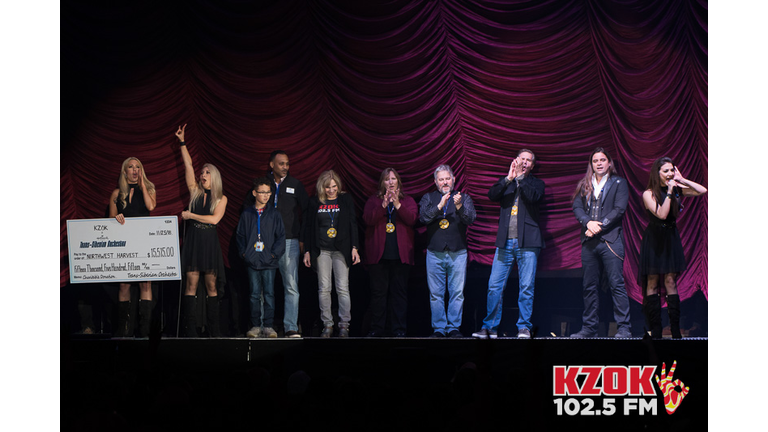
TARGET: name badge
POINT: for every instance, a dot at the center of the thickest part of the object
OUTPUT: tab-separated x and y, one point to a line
259	246
289	190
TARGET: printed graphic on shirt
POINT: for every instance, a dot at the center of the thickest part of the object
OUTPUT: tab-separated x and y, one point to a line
328	208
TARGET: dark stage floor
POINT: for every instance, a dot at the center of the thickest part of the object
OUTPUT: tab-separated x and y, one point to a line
368	384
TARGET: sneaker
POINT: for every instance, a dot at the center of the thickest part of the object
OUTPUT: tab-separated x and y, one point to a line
373	334
484	333
327	332
269	332
455	334
584	333
343	332
399	334
254	332
623	333
292	334
524	334
437	334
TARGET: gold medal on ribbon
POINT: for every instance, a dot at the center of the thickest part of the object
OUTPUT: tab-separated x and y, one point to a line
331	232
514	210
390	227
444	223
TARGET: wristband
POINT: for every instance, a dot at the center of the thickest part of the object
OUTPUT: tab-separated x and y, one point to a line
182	144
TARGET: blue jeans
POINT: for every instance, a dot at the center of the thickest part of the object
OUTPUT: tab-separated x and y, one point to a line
262	282
289	270
502	264
450	267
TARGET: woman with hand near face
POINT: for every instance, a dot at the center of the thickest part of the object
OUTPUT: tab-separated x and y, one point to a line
331	242
661	253
389	216
202	250
135	196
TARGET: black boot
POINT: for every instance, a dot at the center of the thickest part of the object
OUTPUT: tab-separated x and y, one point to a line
123	319
188	322
652	310
145	317
673	304
212	316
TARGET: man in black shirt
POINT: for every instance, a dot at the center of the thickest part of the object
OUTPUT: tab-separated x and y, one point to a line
289	198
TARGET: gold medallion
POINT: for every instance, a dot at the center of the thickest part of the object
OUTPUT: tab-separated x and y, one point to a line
390	227
514	210
444	223
331	232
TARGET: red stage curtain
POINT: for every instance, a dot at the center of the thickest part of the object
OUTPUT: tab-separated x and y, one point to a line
360	86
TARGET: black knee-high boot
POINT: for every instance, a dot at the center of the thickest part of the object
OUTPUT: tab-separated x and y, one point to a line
188	321
212	312
123	319
652	310
145	317
673	304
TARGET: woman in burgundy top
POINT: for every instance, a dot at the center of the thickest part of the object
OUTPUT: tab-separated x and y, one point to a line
389	217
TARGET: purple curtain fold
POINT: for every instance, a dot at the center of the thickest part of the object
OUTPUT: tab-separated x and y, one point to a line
360	86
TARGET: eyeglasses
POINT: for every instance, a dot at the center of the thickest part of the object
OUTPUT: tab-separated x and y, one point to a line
263	193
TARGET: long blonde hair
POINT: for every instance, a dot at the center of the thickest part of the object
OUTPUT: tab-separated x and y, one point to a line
217	188
122	182
324	180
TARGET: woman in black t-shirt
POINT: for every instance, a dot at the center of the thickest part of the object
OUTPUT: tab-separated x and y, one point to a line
331	242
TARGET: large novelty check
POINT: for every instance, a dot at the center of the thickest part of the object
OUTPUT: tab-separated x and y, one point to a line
144	249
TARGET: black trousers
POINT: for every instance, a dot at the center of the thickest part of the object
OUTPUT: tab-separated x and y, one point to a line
598	259
389	295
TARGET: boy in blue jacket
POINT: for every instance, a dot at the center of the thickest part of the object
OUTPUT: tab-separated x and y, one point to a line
261	242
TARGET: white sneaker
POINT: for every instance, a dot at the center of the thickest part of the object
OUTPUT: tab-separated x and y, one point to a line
269	332
254	332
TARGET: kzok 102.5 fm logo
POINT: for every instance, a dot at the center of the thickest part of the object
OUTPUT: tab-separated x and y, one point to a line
609	390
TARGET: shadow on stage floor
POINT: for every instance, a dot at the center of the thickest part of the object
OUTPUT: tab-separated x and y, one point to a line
362	383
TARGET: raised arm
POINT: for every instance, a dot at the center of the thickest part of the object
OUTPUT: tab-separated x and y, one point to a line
189	170
689	188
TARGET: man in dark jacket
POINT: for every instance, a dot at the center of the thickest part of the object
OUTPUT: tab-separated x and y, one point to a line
261	242
518	239
290	199
599	204
447	214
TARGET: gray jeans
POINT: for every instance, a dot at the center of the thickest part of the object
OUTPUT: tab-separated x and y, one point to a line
332	263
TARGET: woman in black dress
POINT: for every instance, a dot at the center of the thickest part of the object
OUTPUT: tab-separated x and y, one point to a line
135	196
202	250
661	253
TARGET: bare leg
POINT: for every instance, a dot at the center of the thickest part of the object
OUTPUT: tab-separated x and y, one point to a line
210	284
653	285
670	283
192	279
145	289
124	292
673	304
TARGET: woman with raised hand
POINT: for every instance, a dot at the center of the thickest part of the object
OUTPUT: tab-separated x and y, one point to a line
202	251
331	241
135	196
661	254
